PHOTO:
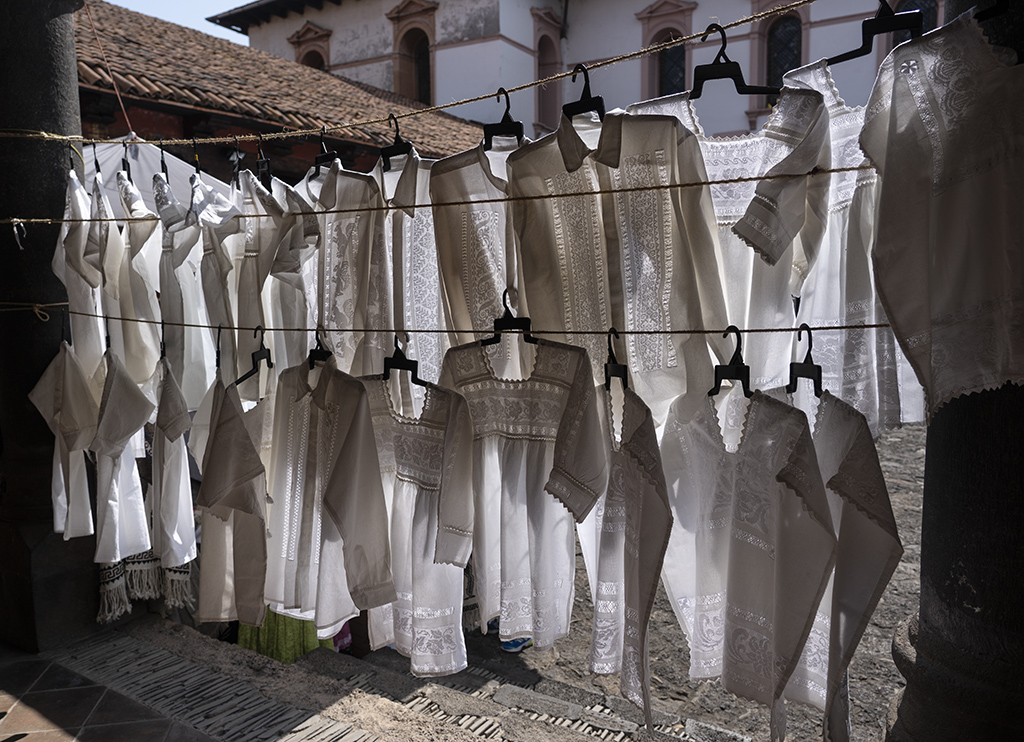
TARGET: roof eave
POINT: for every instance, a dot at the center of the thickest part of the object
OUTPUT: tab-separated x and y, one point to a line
252	14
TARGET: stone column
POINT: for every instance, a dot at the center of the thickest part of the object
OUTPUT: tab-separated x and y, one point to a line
962	653
47	585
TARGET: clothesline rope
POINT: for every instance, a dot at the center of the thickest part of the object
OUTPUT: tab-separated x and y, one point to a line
338	128
106	64
470	202
38	308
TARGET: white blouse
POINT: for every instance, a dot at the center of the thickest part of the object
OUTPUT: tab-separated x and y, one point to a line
945	129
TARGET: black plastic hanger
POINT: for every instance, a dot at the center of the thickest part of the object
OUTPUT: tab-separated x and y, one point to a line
125	165
509	323
238	163
997	8
807	369
163	345
71	154
735	369
885	21
63	319
587	102
262	163
613	367
195	153
399	362
723	68
318	352
324	158
216	357
398	147
163	162
95	161
260	354
507	127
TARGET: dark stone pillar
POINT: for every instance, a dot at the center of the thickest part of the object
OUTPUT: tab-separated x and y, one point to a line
962	653
47	585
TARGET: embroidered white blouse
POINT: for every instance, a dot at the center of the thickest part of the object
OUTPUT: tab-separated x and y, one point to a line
639	261
945	129
539	461
426	464
752	543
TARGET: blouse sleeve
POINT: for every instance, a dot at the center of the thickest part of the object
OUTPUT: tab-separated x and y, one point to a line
355	516
784	206
580	471
455	505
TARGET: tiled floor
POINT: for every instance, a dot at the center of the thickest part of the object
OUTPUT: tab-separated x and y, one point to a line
42	701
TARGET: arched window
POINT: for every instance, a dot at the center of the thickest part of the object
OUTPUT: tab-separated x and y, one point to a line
671	64
929	9
412	74
784	50
548	109
313	59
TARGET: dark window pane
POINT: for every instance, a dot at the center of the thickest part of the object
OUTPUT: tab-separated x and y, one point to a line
785	38
930	10
421	57
672	69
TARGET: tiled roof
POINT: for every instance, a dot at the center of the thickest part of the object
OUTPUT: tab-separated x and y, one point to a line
162	61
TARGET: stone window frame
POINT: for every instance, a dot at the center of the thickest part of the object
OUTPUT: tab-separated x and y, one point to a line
312	38
405	17
546	22
757	73
655	20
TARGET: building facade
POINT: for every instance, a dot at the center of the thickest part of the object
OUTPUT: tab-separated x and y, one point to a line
438	51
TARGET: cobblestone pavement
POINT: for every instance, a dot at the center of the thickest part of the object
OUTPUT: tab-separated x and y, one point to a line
873	675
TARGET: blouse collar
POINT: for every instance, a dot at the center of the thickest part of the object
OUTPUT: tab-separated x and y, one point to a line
575	150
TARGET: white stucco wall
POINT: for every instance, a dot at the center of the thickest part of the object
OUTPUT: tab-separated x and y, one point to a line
597	29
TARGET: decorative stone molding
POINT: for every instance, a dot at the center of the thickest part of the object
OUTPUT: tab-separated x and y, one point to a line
311	40
656	20
547	102
411	15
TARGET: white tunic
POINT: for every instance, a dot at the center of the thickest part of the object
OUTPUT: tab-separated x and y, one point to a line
945	128
64	398
233	563
354	286
867	554
475	242
769	230
328	534
189	348
218	219
858	365
624	540
752	543
76	262
122	528
641	261
427	471
173	525
415	283
139	282
538	462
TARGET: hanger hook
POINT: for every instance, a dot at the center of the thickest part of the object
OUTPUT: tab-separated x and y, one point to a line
95	158
258	329
804	327
611	350
392	119
720	57
737	356
195	152
259	145
508	103
504	301
163	162
63	316
582	68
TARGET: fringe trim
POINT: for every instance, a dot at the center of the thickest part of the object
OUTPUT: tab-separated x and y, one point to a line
113	593
178	587
143	575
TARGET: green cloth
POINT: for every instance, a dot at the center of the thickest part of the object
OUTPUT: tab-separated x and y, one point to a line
283	638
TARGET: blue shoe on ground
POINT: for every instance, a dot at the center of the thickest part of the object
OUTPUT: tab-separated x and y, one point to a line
492	626
516	645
